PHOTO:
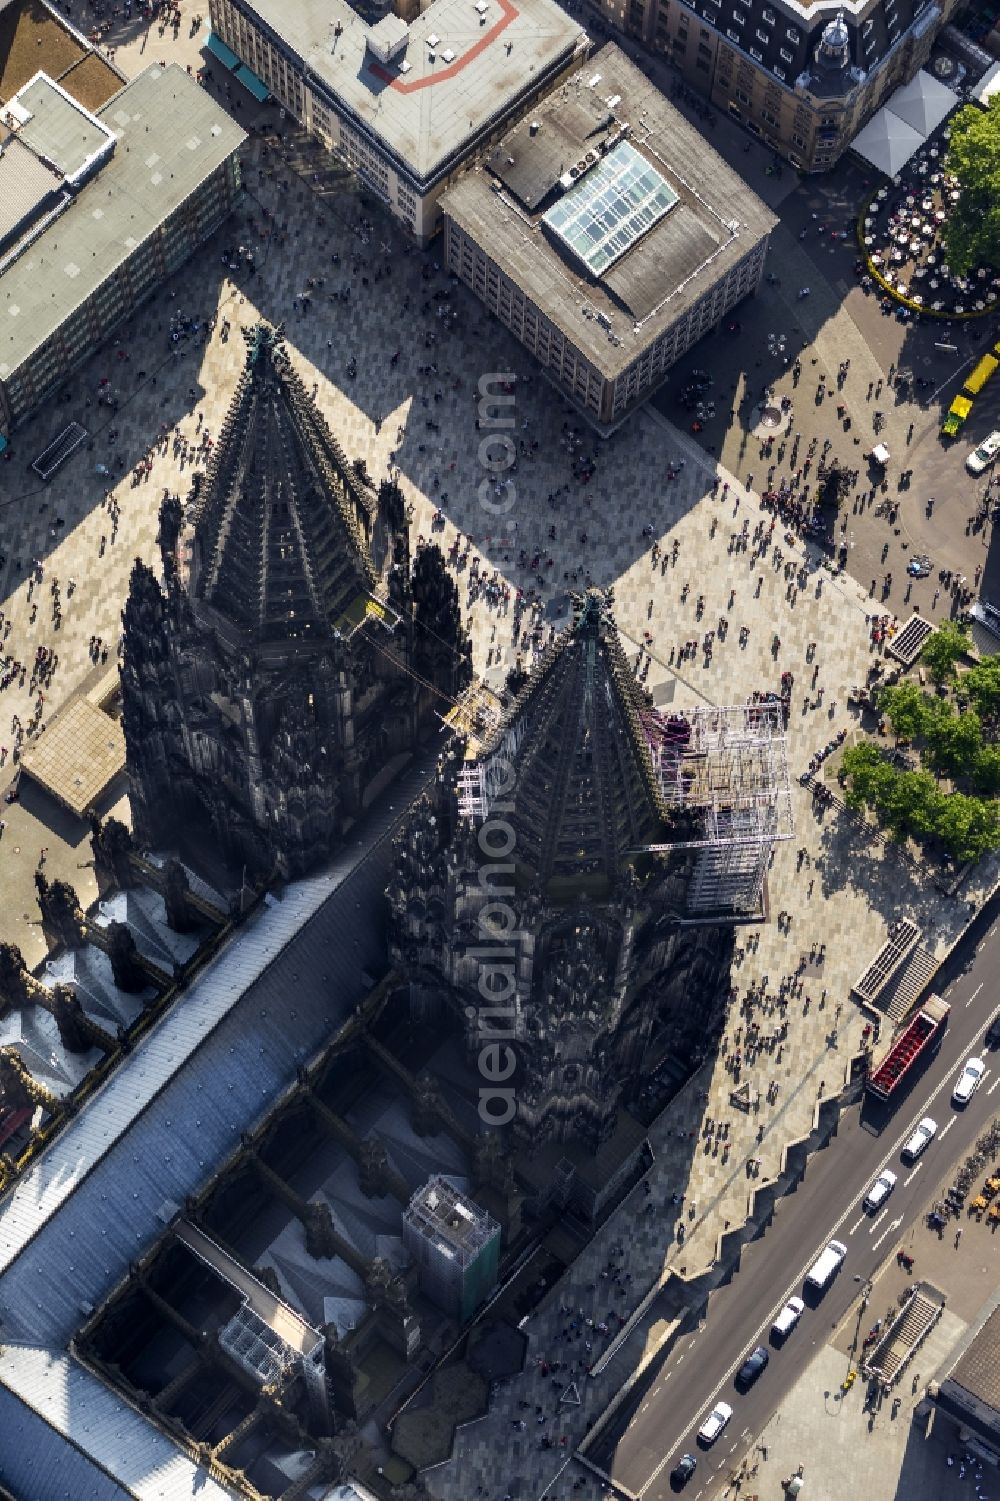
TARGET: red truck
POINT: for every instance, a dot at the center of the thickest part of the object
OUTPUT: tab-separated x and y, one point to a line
918	1039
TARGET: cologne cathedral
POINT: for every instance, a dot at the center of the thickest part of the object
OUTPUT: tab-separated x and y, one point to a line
541	895
292	658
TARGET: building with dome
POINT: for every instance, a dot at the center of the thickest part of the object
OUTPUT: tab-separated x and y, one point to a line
292	658
803	76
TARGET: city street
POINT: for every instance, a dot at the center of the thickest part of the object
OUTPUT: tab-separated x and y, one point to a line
662	1420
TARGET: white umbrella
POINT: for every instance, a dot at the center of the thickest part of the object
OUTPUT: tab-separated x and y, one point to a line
917	299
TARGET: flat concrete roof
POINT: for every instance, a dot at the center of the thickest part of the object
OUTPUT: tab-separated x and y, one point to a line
60	130
425	114
717	220
25	185
77	756
171	136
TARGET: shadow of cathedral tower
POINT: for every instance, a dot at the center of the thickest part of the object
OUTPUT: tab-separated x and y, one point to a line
542	895
268	685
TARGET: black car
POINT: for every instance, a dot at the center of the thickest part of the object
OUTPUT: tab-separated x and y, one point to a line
683	1470
993	1033
751	1368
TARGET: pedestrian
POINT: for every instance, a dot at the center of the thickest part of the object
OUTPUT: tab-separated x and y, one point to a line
958	1236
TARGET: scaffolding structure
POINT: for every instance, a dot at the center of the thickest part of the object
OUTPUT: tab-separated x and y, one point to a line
729	768
455	1244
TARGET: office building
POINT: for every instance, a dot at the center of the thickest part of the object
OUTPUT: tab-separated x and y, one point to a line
404	99
98	209
607	235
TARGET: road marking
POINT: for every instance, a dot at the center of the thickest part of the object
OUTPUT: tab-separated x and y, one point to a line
894	1226
878	1221
994	1085
904	1135
913	1174
972	997
856	1224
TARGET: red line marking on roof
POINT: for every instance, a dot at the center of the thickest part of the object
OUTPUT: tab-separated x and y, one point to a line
510	13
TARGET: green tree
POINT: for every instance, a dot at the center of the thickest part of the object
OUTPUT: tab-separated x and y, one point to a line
953	742
905	707
986	772
968	827
981	685
943	650
868	774
972	229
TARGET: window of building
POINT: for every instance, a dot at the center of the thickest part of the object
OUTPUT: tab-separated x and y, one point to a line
867	27
789	57
762	36
798	140
702	64
739	18
756	53
791	34
779	72
743	98
767	16
768	118
733	35
704	51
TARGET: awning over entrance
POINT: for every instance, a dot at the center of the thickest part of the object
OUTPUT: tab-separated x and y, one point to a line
887	142
902	126
219	49
251	82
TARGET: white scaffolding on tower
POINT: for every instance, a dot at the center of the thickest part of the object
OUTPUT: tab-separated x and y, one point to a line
728	767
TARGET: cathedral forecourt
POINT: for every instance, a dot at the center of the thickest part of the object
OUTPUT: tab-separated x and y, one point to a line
607	235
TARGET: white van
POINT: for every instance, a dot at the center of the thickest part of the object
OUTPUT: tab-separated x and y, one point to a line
823	1271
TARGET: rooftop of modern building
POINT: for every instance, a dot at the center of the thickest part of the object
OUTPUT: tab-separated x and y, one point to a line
56	126
154	168
465	64
677	232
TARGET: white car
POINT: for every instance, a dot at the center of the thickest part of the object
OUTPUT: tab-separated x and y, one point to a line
879	1191
714	1423
982	457
968	1081
788	1318
925	1133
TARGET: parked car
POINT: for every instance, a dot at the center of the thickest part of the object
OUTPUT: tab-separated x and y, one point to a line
753	1367
683	1470
925	1133
919	567
992	1038
968	1081
982	457
788	1318
714	1423
879	1191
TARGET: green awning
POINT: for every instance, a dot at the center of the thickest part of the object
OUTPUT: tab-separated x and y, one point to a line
251	82
219	49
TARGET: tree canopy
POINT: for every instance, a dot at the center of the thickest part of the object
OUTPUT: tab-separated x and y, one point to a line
972	230
943	649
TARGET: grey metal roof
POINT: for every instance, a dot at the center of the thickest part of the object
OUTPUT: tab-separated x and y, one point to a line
157	1130
157	164
428	114
115	1453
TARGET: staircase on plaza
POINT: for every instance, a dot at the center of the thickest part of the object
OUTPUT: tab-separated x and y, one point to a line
907	1332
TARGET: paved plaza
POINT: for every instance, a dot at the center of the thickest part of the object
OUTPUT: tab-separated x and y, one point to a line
422	345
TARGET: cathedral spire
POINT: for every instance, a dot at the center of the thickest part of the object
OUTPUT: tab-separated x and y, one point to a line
585	796
282	526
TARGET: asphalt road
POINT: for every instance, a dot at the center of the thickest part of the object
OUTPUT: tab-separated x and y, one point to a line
661	1423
